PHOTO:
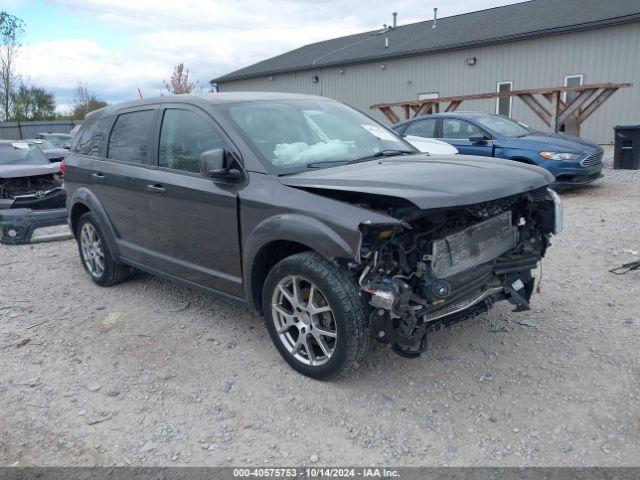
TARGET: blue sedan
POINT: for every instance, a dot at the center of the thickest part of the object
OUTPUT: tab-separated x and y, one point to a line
573	161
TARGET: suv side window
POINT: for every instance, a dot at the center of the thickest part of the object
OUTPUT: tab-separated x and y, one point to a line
422	128
458	129
93	138
183	137
130	138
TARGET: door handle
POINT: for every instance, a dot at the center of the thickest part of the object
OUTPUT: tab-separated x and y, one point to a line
156	188
98	176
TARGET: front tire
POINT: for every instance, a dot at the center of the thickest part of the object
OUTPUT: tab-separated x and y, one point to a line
315	315
95	254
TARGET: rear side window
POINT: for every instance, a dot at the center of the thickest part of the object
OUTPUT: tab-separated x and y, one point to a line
93	137
422	128
131	136
458	129
184	136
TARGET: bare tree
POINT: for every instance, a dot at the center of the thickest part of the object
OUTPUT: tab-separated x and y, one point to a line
11	31
84	102
180	82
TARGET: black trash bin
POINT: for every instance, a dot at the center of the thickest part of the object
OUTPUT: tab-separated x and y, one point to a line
627	150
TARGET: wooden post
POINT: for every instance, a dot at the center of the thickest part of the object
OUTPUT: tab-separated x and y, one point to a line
537	107
555	105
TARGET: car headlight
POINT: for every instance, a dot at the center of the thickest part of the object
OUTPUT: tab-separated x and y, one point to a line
558	220
559	155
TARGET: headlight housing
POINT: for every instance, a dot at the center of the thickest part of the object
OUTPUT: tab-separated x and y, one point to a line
558	219
559	155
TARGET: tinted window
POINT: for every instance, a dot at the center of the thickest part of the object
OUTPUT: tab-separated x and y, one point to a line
458	129
92	138
422	128
184	136
130	136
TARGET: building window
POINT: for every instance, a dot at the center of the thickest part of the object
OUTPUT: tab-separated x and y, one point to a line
503	104
575	80
428	95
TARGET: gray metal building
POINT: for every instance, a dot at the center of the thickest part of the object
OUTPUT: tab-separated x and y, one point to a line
540	43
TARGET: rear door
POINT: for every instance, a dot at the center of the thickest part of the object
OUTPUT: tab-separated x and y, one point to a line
119	180
195	218
457	132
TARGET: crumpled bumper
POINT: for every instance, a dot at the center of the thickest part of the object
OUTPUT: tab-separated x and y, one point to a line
18	224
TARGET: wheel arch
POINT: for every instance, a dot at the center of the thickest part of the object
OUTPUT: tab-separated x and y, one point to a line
282	236
83	201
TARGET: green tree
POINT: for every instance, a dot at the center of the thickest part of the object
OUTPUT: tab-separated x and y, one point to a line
85	102
32	103
11	31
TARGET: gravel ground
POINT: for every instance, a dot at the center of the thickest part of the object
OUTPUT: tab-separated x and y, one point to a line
150	373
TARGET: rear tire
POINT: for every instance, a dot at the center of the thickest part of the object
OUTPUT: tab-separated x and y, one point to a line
315	315
95	255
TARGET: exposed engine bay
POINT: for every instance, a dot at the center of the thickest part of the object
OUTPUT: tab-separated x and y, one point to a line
34	192
445	265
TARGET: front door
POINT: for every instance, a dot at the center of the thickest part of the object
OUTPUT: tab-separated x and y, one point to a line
457	132
195	218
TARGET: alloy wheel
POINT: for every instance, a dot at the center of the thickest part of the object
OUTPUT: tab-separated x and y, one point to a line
92	251
304	320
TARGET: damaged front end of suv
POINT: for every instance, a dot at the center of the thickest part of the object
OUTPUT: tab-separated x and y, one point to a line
441	266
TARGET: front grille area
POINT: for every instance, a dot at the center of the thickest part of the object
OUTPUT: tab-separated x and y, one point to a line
52	199
579	179
474	245
592	160
496	207
462	303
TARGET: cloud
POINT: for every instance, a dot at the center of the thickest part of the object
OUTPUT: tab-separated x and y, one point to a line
212	37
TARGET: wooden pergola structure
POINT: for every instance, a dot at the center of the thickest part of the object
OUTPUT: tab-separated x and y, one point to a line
546	103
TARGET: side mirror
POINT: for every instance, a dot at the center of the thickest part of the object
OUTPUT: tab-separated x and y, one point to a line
214	164
477	138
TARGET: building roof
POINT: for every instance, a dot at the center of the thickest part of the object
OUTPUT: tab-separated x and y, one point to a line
530	19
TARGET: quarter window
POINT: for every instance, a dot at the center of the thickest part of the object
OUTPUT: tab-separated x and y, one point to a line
184	136
129	140
458	129
503	104
422	128
92	138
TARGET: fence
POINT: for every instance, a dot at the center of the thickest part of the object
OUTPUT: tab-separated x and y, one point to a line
24	130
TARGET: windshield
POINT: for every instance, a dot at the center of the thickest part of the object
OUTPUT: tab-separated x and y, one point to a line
41	144
503	126
58	141
21	154
292	135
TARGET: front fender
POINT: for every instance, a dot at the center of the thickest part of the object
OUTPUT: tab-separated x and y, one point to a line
301	229
86	197
305	230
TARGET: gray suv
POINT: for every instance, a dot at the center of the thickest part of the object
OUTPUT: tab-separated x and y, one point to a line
327	223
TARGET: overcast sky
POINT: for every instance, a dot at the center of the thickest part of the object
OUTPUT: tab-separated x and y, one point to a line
117	46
